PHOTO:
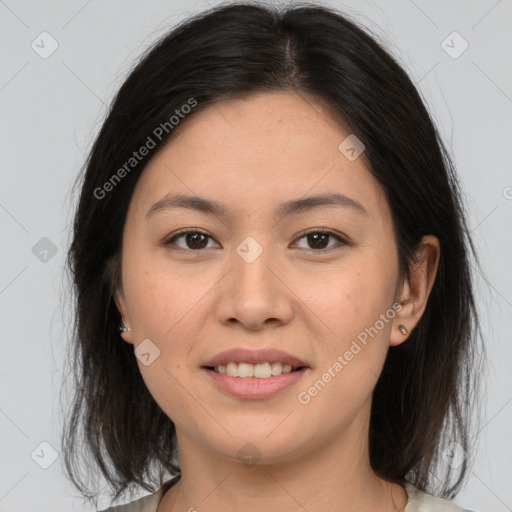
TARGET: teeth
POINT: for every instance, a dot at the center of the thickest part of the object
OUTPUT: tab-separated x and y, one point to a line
260	370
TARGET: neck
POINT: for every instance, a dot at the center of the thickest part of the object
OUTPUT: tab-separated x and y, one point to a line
329	476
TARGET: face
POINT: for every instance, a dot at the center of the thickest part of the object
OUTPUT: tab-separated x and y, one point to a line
310	281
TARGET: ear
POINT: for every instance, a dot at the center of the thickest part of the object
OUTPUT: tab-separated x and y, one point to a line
416	290
120	301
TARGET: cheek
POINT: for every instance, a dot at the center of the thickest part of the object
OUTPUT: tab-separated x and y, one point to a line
163	304
160	296
350	302
354	348
349	298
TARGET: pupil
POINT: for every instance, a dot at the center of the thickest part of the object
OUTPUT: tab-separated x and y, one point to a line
196	240
315	237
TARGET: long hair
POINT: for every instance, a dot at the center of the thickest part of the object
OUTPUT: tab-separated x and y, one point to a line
423	399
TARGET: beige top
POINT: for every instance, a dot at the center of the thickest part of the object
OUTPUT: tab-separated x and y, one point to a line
418	501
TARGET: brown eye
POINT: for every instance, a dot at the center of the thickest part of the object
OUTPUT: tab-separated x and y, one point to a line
319	240
194	240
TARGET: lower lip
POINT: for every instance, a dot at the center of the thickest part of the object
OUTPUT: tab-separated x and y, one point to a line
253	387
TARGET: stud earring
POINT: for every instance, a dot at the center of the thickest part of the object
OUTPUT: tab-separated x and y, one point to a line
122	328
403	329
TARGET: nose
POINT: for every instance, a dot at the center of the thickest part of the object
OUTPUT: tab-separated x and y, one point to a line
255	294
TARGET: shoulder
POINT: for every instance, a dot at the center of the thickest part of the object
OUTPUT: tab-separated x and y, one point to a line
145	504
419	501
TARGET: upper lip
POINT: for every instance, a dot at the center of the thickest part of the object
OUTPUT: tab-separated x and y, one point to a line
241	355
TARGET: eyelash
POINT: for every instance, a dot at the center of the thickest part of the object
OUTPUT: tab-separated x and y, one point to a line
170	241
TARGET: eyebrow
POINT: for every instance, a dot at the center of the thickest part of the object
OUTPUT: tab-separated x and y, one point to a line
292	207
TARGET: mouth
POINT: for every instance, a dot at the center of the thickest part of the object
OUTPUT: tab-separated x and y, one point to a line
263	370
254	382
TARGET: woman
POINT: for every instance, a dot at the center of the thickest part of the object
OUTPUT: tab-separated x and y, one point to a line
274	303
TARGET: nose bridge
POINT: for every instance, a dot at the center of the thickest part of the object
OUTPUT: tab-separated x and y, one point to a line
253	294
253	278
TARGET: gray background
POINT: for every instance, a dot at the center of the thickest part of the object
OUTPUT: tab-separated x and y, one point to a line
51	109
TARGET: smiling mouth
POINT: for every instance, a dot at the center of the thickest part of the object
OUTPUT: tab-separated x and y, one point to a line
259	371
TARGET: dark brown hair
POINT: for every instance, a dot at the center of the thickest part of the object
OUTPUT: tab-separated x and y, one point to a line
423	399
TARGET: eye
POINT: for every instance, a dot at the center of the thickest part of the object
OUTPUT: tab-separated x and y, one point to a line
194	239
318	239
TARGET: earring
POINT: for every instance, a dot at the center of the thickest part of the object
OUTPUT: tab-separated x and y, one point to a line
403	329
122	328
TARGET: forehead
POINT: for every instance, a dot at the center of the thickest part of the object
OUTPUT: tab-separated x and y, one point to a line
254	152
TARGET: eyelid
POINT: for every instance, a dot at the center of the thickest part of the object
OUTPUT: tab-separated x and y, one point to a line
322	230
167	240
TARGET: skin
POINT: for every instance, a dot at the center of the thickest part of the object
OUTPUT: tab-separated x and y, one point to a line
193	303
